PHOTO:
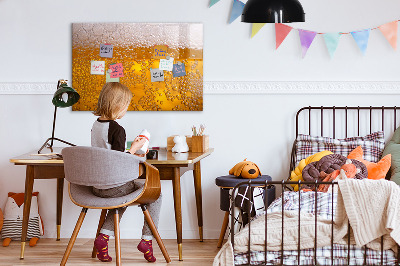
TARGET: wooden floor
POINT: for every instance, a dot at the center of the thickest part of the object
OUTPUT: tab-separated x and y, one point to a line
50	252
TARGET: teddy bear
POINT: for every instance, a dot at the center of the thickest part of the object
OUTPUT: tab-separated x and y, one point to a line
180	144
13	215
245	169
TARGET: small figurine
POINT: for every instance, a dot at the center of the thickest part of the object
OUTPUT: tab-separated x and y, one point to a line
180	144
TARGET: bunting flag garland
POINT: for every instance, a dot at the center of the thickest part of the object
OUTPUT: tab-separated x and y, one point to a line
332	41
256	27
237	8
361	37
389	30
306	39
213	2
281	31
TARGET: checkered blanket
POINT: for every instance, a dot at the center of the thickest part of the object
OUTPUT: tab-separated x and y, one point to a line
324	206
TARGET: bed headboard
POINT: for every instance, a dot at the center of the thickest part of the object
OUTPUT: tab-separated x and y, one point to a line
344	121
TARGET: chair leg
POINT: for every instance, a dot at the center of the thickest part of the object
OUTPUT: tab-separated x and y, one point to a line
73	237
154	230
223	229
101	222
117	239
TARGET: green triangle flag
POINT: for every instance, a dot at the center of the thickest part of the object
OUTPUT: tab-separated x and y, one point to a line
256	27
332	41
213	2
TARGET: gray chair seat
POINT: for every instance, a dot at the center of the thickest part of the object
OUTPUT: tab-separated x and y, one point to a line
85	167
83	196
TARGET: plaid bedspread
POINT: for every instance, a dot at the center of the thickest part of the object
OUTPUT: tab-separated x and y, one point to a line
321	205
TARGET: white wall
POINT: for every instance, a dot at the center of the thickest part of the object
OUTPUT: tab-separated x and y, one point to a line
35	42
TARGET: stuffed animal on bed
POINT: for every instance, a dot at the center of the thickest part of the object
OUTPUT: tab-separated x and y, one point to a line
245	169
13	215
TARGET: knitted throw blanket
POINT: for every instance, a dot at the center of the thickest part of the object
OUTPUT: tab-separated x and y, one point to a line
373	209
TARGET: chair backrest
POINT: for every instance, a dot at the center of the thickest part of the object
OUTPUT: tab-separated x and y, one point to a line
92	166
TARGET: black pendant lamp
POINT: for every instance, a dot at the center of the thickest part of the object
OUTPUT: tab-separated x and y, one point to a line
273	11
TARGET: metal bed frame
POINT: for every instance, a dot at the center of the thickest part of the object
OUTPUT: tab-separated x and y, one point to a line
284	184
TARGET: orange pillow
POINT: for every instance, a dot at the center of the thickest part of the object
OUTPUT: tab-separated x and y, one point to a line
375	170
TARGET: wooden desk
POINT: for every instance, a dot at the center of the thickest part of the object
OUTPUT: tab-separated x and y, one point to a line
169	165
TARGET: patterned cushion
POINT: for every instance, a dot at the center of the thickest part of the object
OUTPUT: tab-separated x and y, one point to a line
372	144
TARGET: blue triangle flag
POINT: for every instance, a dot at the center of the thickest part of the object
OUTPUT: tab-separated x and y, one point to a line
332	41
213	2
361	37
237	9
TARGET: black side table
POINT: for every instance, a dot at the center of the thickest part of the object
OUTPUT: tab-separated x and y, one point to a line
226	183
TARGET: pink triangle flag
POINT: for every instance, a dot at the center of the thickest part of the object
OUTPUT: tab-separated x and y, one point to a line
281	31
306	39
389	30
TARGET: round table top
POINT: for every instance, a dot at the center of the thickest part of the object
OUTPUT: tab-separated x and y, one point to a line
230	181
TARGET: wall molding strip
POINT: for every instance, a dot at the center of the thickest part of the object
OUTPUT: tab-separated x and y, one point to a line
245	87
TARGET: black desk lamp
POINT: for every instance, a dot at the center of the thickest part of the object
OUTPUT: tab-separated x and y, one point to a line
273	11
64	97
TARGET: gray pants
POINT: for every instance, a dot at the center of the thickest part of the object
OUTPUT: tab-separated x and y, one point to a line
154	208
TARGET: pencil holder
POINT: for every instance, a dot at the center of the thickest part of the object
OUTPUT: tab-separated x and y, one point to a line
200	143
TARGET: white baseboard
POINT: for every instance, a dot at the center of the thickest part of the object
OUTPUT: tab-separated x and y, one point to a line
246	87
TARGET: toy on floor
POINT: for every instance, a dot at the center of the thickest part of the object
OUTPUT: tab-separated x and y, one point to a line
245	169
13	215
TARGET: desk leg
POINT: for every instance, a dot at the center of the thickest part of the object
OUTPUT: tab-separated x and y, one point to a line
199	204
27	206
176	182
60	190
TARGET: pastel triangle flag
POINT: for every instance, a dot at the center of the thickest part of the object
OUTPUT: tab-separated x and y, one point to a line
332	41
281	31
389	30
306	39
237	9
256	27
213	2
361	37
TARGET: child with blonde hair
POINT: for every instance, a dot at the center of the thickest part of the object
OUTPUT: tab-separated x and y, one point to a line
114	100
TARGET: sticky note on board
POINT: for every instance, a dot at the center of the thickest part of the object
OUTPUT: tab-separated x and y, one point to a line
109	79
160	51
156	75
106	50
117	70
178	70
97	67
166	64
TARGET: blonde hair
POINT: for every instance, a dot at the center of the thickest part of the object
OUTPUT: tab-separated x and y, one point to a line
113	97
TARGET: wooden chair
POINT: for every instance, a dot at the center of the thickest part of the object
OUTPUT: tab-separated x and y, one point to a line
85	167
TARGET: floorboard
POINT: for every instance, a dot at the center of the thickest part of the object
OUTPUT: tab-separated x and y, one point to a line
50	252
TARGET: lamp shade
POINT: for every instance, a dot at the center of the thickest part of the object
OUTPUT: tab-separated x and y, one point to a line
65	96
273	11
